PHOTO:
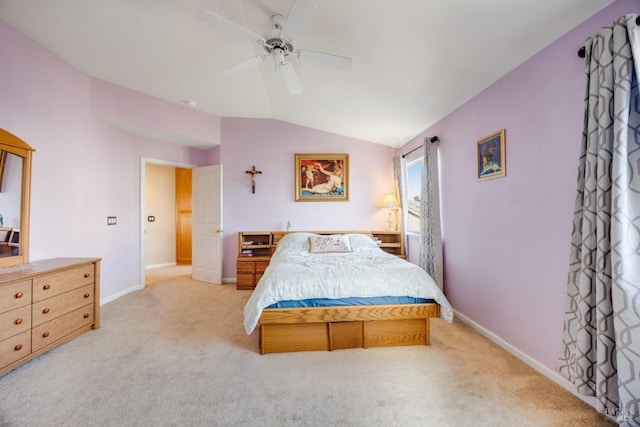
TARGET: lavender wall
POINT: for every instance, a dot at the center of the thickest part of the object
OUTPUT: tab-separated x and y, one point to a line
270	145
506	241
84	169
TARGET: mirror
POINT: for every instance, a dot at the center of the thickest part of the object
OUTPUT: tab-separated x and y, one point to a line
15	197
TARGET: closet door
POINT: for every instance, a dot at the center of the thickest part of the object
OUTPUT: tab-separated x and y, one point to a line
183	216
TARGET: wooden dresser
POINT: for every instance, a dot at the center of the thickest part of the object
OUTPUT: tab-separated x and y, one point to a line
44	304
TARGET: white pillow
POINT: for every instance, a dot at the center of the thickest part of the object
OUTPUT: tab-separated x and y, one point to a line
361	241
330	243
294	243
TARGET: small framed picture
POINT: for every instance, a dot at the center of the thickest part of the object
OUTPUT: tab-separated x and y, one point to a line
321	177
492	156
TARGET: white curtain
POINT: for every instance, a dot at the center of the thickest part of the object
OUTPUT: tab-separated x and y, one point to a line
601	344
430	230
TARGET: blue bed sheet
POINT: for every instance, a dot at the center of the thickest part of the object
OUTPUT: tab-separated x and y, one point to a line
328	302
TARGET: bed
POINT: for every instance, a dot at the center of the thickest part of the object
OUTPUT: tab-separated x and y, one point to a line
305	299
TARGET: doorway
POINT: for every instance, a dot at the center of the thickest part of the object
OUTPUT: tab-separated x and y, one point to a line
164	243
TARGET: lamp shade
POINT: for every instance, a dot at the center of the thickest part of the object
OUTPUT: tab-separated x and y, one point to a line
389	201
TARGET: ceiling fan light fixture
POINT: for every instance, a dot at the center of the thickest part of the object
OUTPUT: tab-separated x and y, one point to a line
290	78
278	58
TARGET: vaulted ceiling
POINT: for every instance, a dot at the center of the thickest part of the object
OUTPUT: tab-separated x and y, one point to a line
414	61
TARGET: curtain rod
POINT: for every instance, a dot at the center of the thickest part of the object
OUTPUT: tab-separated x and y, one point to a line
431	139
582	53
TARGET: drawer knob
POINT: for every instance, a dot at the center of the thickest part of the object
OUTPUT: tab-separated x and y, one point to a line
18	321
46	334
46	287
19	295
87	295
18	347
45	311
86	315
86	275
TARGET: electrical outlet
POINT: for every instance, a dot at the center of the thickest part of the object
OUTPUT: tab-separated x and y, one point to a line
151	218
112	220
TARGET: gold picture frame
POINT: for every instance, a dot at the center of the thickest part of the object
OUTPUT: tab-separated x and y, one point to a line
491	156
321	177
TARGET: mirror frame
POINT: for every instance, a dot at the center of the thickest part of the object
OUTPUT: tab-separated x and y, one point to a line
13	144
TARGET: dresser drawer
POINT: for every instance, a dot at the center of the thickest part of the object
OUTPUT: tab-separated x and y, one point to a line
50	332
15	295
57	283
15	348
50	308
14	322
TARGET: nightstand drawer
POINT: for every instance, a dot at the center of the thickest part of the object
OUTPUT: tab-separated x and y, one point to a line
246	267
245	279
261	266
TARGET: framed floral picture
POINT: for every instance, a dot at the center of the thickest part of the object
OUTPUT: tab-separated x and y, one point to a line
321	177
492	156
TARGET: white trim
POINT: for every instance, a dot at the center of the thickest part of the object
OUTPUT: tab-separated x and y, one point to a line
229	280
104	301
549	373
168	264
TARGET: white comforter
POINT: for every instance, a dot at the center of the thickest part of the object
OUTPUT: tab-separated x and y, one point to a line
296	274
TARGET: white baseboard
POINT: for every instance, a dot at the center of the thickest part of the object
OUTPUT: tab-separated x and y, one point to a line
120	294
549	373
229	280
151	267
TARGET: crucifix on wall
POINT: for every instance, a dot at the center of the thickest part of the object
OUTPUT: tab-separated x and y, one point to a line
253	173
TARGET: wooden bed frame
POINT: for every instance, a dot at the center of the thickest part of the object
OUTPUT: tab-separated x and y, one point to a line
332	328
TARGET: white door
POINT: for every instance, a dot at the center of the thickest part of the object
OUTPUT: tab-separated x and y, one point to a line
207	224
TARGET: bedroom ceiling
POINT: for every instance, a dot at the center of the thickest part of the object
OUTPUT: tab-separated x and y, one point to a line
414	61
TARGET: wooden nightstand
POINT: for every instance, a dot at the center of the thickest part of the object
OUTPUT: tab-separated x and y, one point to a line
254	252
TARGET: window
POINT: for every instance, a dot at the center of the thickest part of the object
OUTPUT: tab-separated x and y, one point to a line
414	189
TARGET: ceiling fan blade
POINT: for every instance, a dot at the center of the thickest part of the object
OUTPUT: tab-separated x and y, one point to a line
229	26
290	78
299	15
245	64
321	58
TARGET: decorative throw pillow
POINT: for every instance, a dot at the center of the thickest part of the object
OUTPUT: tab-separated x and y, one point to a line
332	243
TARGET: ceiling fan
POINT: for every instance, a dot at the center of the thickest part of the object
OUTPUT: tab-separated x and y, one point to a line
278	43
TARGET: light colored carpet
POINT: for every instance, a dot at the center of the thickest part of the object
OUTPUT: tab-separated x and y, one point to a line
175	354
